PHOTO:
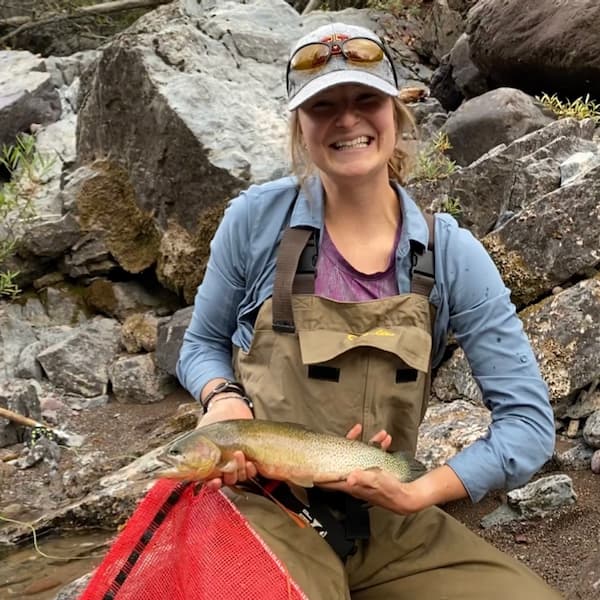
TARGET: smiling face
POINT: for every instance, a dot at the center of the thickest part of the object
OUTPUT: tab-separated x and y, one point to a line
349	132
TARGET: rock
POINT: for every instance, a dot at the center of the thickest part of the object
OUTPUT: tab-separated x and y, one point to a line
139	332
448	428
509	177
577	457
27	94
170	338
550	240
457	77
51	237
496	117
122	299
79	364
586	404
596	462
543	496
548	48
501	516
564	331
106	202
22	397
573	428
136	379
73	590
441	29
591	430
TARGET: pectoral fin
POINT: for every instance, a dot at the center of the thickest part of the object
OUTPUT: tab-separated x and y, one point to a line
415	467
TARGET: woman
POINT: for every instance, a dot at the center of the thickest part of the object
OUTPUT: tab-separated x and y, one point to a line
348	346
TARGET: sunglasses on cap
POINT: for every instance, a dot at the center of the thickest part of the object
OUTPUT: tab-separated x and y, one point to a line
356	50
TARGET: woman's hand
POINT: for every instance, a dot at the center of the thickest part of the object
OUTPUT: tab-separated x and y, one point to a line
222	409
383	489
383	439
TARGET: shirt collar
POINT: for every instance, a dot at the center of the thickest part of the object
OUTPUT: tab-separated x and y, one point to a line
308	212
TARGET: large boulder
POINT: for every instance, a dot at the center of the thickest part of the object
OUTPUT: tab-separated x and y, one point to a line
192	106
551	241
542	46
496	117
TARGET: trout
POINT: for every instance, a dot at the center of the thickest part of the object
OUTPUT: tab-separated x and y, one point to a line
283	451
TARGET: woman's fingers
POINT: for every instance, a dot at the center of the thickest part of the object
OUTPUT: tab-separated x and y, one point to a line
381	438
354	432
243	470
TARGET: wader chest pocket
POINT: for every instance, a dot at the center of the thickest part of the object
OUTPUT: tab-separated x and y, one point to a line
411	345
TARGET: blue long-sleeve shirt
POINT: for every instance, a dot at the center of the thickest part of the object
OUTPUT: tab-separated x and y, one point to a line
469	294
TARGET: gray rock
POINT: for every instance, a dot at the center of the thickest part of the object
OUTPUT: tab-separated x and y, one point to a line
80	363
543	496
448	428
595	463
564	333
549	241
170	338
50	238
591	430
577	458
27	95
74	589
501	516
136	380
496	117
550	47
20	396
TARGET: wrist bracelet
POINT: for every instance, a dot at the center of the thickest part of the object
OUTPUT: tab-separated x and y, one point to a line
216	399
227	386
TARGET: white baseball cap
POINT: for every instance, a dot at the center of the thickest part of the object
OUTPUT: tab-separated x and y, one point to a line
304	84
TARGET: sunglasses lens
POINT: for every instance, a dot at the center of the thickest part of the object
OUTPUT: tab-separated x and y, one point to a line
362	50
310	57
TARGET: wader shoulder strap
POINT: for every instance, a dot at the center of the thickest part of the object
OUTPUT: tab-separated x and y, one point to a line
294	274
423	262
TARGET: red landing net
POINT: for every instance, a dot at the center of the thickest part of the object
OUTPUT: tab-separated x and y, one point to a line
182	546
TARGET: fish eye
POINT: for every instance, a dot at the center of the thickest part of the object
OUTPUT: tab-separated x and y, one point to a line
174	452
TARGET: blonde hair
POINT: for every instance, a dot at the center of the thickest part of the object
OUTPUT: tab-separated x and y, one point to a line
399	164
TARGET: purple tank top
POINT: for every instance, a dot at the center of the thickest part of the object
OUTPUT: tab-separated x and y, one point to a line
338	280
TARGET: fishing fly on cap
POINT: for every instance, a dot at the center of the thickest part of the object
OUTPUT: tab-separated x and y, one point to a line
334	54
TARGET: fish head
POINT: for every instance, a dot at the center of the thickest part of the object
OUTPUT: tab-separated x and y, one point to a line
192	457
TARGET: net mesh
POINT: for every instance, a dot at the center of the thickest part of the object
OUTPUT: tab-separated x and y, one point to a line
179	544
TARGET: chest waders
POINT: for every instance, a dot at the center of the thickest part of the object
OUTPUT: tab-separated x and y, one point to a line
330	365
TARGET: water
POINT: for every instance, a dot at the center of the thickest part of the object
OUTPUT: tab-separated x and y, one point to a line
26	575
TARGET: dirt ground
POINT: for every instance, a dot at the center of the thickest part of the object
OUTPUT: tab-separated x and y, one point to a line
564	549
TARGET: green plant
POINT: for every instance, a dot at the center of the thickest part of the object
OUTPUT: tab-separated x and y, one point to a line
580	108
431	162
26	168
452	207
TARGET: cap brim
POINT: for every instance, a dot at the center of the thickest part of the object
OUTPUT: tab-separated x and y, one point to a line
333	78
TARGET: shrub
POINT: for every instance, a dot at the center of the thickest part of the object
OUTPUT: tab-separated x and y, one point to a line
580	108
26	167
432	162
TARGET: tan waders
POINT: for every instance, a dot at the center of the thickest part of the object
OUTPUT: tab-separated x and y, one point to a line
336	364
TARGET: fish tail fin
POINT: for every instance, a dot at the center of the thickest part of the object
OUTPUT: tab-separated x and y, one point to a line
415	467
290	513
